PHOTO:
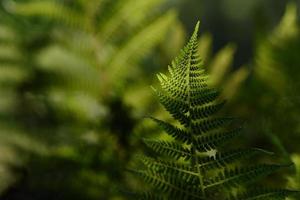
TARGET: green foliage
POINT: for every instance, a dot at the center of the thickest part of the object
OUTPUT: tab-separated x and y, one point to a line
220	66
276	52
63	68
195	164
274	83
294	180
72	82
105	44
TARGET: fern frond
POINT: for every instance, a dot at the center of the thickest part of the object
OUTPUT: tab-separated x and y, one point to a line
221	160
206	111
172	149
211	141
206	125
204	97
176	133
121	13
172	104
50	9
170	184
207	171
173	88
148	196
265	194
186	172
140	43
238	176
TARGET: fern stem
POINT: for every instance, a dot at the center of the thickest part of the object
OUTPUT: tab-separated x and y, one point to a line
195	161
200	176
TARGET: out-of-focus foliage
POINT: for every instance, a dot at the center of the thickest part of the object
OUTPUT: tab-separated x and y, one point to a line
294	180
65	125
220	66
272	92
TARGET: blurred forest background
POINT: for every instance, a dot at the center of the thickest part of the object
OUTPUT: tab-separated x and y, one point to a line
75	77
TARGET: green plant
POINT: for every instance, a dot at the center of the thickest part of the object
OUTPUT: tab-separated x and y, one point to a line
63	67
195	164
276	73
294	180
273	83
219	66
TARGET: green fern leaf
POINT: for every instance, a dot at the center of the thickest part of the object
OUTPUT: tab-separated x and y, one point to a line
265	194
206	125
172	149
206	111
237	176
221	160
211	141
170	185
193	166
50	9
176	133
148	196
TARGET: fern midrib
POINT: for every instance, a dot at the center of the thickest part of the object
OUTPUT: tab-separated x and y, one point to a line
190	120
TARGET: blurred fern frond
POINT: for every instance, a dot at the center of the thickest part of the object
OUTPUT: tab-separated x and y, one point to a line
119	35
275	83
93	47
275	59
63	68
220	66
294	180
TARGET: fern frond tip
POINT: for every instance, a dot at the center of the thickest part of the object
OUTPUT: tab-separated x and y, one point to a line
197	28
